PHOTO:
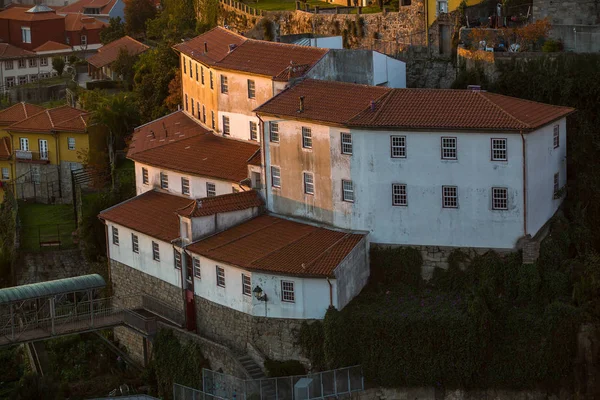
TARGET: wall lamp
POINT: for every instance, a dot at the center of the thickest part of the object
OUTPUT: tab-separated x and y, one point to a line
258	293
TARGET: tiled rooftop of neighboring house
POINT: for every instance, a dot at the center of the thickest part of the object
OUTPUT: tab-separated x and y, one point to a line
221	204
76	22
18	112
228	50
350	104
49	120
5	148
79	6
8	51
178	143
50	46
152	213
110	52
78	124
273	244
26	13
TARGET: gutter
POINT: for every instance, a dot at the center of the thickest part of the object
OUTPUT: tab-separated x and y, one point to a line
524	184
330	292
263	157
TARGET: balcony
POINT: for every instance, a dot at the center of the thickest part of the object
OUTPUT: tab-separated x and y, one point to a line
32	156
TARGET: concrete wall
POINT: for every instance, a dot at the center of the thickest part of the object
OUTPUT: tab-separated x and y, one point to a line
352	274
574	12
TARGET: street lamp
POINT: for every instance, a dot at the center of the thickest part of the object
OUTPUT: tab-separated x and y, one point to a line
258	293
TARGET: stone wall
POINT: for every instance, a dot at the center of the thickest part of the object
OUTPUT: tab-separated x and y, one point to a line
573	12
50	265
430	73
133	343
430	393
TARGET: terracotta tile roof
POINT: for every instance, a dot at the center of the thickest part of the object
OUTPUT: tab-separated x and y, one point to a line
191	149
76	22
273	244
52	46
19	13
280	61
256	159
48	120
8	51
221	204
18	112
77	124
109	53
78	7
330	102
152	213
349	104
5	148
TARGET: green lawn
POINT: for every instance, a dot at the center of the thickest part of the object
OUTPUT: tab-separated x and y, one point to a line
46	223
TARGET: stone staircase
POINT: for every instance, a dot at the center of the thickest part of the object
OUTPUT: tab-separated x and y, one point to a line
256	373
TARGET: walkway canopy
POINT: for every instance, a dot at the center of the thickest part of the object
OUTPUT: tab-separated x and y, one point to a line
51	288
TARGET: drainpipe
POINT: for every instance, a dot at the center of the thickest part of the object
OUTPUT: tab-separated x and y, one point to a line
426	12
263	158
330	292
524	184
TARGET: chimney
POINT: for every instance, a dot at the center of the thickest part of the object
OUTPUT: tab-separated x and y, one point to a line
205	47
301	109
372	105
232	47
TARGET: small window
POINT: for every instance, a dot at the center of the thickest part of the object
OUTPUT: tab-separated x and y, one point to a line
22	63
309	185
24	144
185	186
155	251
32	62
211	190
135	245
448	148
274	132
499	198
220	277
25	34
71	143
193	112
44	61
9	64
449	197
186	102
10	81
224	86
164	180
184	65
287	291
83	40
115	236
251	89
253	131
202	74
22	79
306	138
226	130
346	143
275	177
203	114
398	146
196	72
556	184
246	285
212	81
556	136
191	72
197	271
347	191
212	118
498	149
145	176
399	194
177	259
198	106
5	173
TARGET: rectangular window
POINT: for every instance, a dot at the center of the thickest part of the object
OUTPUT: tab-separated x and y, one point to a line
164	180
556	136
5	173
499	198
275	177
220	277
246	285
203	114
186	102
10	81
212	82
115	236
251	89
24	144
399	194
347	191
196	72
145	176
198	106
25	34
202	74
191	72
155	251
309	185
448	148
33	78
71	143
135	245
83	40
184	64
23	80
9	64
346	143
185	186
193	112
253	131
287	291
22	63
306	138
196	264
177	258
224	86
211	189
398	144
44	61
498	149
556	184
449	197
32	62
212	117
226	125
274	132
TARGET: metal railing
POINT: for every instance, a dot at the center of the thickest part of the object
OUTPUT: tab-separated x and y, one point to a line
25	155
243	7
163	309
181	392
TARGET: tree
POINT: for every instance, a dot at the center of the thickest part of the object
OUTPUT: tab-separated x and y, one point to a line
58	63
115	30
176	21
137	12
173	100
123	66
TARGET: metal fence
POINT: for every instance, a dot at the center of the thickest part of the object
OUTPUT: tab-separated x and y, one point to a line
181	392
299	387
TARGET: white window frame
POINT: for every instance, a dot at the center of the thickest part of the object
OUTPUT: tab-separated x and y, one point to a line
449	197
347	191
5	173
145	178
287	292
9	64
43	61
556	136
246	285
226	126
185	186
306	137
346	140
164	180
196	267
212	80
399	196
25	34
251	89
499	151
224	85
155	251
275	177
115	236
83	40
499	198
135	243
309	183
32	62
10	81
274	132
71	143
211	189
449	148
23	79
220	276
253	130
177	263
24	142
398	146
22	63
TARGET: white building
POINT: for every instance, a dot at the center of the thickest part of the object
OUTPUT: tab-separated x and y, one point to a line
415	166
19	67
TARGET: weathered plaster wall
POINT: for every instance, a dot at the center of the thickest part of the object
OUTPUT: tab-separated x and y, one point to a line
352	274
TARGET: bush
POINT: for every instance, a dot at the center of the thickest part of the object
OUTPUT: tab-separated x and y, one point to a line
284	368
552	46
401	264
107	84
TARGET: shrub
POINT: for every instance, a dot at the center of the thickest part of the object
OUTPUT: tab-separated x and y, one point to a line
552	46
284	368
401	264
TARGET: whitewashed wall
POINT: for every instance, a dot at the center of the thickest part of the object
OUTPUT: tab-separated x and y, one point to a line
28	71
239	125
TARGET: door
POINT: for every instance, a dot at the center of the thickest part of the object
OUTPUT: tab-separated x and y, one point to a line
445	40
190	310
43	149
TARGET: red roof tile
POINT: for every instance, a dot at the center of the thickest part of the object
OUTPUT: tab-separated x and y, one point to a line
48	120
52	46
109	53
5	148
152	213
8	51
18	112
79	6
217	40
191	149
20	13
256	159
277	245
76	22
221	204
77	124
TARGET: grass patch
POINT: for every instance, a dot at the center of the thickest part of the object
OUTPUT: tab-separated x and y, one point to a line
46	223
53	103
284	5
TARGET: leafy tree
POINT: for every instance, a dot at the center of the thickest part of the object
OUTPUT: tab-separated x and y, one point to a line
123	66
174	98
137	12
58	63
115	30
175	22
